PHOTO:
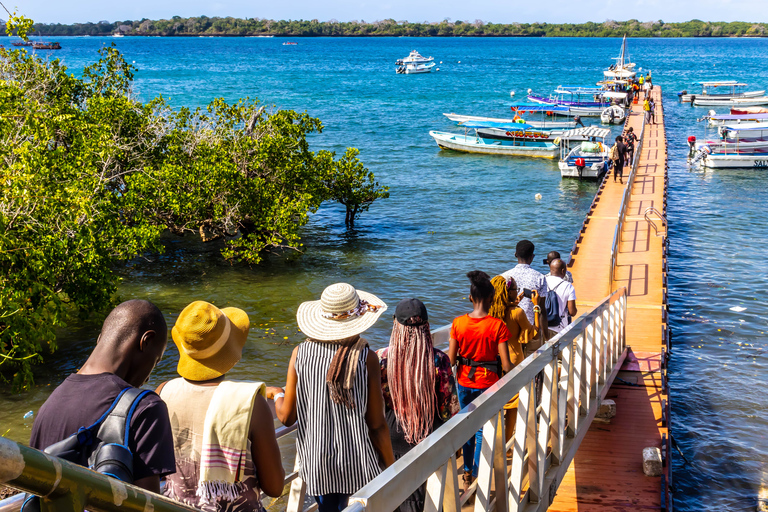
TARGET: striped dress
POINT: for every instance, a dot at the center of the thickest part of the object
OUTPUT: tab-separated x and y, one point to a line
332	443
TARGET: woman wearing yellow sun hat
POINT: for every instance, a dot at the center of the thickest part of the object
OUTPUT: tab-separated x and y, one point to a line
215	420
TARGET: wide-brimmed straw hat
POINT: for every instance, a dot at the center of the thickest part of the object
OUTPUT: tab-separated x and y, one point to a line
340	313
210	340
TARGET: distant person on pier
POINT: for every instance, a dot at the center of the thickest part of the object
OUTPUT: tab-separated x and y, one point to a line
647	109
215	419
565	293
132	341
553	255
652	105
333	391
478	344
618	154
418	386
505	308
528	278
629	141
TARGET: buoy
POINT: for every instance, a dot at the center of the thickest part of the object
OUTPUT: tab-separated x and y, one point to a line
512	93
437	69
538	197
459	62
441	62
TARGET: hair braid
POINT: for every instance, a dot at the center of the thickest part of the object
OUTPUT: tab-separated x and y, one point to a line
411	378
500	298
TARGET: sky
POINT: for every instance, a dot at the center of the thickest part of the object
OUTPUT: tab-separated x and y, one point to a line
497	11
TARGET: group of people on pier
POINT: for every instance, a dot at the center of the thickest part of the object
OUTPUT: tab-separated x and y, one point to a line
212	439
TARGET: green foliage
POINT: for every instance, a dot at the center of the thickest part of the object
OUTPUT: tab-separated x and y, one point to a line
178	26
92	177
17	23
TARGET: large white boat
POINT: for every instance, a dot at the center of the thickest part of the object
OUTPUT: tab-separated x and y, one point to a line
584	153
743	145
414	63
715	119
719	90
623	68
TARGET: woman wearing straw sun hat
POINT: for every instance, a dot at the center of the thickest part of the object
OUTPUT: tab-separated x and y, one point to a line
333	390
214	419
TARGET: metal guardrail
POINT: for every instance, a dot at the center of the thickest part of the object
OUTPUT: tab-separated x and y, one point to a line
576	367
68	487
625	203
653	211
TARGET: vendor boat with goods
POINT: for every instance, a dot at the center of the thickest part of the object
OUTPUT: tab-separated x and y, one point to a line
584	153
414	63
722	90
499	139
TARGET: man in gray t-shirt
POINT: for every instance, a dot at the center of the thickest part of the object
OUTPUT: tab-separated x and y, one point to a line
527	277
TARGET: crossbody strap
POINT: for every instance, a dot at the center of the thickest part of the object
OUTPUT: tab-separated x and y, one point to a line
116	425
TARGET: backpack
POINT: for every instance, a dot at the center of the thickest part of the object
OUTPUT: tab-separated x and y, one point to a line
102	447
552	306
614	154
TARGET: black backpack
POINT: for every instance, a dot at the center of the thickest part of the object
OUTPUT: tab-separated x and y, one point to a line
102	447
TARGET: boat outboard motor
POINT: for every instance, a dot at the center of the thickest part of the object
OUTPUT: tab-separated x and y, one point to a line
580	164
692	145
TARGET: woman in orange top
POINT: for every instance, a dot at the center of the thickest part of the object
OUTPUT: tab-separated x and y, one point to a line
504	307
479	344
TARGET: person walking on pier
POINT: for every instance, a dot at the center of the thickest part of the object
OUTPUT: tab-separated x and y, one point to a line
478	344
521	332
618	154
216	419
647	108
652	110
528	278
565	293
629	140
552	256
132	341
333	391
418	386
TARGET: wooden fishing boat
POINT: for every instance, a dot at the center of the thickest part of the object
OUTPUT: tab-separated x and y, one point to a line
467	143
46	46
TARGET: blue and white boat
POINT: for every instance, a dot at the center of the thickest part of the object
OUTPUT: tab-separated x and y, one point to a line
498	139
523	113
583	101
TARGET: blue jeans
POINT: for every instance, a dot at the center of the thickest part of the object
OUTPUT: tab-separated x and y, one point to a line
472	447
334	502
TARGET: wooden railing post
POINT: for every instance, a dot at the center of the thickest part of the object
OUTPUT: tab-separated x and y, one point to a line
565	394
548	407
526	413
298	492
485	466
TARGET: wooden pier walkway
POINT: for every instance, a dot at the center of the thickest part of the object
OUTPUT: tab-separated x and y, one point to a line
607	472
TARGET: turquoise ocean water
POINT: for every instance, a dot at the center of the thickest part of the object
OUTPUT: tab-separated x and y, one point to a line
451	213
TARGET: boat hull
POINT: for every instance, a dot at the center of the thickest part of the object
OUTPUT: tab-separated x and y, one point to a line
477	145
715	161
687	98
594	171
548	125
731	102
417	71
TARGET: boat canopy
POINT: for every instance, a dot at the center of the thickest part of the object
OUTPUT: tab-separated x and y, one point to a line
725	83
739	117
579	90
494	124
746	127
538	107
587	131
615	94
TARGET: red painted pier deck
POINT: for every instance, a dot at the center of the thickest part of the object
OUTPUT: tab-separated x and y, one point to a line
607	472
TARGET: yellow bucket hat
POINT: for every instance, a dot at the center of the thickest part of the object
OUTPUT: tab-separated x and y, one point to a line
210	340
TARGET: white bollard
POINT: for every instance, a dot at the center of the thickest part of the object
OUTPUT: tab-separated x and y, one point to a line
652	461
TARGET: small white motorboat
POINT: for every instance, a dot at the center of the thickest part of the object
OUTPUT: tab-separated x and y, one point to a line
613	115
715	119
546	124
582	155
731	102
414	63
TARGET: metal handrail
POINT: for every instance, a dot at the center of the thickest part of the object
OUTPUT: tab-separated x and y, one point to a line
624	204
653	211
575	369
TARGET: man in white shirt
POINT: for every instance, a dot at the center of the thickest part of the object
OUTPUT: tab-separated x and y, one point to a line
552	256
565	292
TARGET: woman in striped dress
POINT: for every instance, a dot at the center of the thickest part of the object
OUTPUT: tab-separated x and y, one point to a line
333	391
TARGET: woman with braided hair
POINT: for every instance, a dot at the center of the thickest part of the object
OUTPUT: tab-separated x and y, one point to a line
505	308
418	385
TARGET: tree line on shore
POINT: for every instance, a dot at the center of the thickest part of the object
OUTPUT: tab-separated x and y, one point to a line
93	177
228	26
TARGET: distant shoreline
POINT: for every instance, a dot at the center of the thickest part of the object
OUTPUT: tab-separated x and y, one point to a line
254	27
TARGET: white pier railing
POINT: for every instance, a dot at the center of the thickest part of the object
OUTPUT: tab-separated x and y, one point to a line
577	368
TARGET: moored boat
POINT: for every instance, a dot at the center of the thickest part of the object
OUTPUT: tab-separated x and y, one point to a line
414	63
467	143
584	101
719	90
22	43
735	102
584	153
290	43
42	45
623	68
547	123
715	119
613	115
